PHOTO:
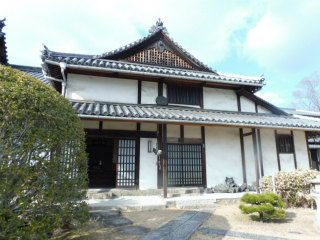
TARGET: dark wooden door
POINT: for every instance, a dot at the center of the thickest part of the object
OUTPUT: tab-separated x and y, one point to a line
101	167
185	165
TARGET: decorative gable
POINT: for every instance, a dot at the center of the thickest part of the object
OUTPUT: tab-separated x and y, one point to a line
159	56
158	49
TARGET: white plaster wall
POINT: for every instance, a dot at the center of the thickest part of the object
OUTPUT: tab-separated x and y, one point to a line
269	151
165	90
286	161
90	124
149	92
247	105
219	99
192	131
151	127
83	87
263	110
113	125
148	165
173	131
300	145
283	131
249	157
223	155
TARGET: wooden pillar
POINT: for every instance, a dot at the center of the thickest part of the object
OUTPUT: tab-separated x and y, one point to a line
294	152
277	146
256	163
137	167
243	158
139	91
165	161
260	153
203	152
308	149
160	158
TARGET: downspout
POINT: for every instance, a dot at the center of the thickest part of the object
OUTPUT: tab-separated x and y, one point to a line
63	67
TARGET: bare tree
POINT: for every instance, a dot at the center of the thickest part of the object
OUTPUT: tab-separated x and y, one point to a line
308	95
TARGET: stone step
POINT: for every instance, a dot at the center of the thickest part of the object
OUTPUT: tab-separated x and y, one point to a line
98	215
115	192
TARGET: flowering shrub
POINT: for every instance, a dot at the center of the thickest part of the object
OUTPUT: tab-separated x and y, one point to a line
292	186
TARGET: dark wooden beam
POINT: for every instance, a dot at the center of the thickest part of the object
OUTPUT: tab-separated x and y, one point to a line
256	160
294	151
277	147
256	106
239	102
201	98
139	91
247	134
100	125
260	153
203	152
308	149
165	161
160	88
181	133
243	158
119	134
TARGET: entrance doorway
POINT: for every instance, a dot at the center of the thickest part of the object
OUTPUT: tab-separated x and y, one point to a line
101	164
112	162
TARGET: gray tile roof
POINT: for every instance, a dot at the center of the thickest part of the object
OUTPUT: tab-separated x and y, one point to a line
33	71
174	114
149	70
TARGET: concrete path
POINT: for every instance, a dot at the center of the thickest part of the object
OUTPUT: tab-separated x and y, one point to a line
239	234
180	228
158	202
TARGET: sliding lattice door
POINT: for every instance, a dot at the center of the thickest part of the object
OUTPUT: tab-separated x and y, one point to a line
126	165
185	165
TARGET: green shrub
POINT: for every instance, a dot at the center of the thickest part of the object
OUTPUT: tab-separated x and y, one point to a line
268	205
292	186
43	167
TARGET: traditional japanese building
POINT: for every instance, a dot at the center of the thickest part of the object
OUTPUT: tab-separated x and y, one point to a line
154	114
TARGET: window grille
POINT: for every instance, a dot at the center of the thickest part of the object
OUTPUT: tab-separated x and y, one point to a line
285	143
184	95
126	167
185	165
165	58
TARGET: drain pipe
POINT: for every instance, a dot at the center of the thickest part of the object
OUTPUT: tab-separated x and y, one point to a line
63	67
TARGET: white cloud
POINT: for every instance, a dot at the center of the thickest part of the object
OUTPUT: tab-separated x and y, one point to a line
272	97
286	39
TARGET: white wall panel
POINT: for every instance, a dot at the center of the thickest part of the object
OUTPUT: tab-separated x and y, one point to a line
219	99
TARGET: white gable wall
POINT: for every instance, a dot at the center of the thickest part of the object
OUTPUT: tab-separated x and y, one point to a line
149	92
247	105
219	99
263	110
92	88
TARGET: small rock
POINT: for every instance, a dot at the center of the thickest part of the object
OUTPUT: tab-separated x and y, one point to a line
102	215
208	190
221	188
243	187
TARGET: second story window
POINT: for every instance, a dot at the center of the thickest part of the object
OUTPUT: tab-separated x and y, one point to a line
285	143
184	95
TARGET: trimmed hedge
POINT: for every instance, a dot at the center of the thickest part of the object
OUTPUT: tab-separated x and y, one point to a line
292	186
43	165
267	205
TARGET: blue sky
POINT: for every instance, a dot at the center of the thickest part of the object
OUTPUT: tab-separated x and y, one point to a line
280	39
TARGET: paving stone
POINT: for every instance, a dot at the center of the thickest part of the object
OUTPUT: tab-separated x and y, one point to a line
102	215
180	228
134	230
116	222
238	234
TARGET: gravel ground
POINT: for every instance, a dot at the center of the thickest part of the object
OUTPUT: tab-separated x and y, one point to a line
298	224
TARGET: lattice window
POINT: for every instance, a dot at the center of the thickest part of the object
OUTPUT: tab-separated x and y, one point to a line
165	58
126	167
285	143
185	165
184	95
